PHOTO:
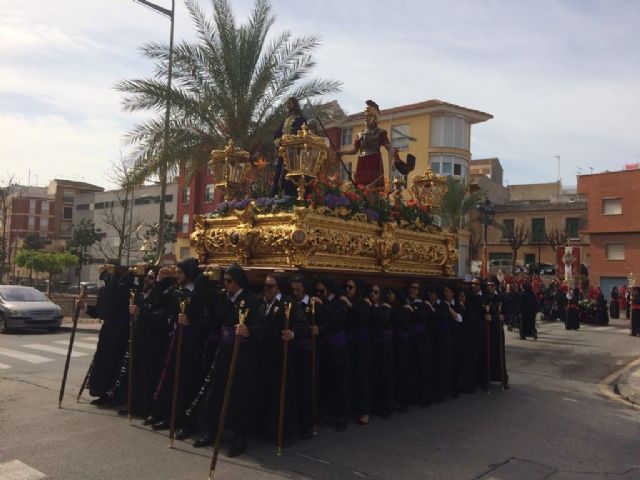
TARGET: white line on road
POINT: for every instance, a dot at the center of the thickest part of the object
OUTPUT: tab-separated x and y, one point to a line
51	349
27	357
88	339
16	470
4	366
90	346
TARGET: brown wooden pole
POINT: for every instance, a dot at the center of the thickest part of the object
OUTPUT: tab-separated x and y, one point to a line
242	316
501	339
76	314
283	381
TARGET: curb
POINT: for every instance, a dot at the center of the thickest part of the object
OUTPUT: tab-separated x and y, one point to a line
628	386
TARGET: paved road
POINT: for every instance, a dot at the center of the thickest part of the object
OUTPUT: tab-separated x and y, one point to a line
557	422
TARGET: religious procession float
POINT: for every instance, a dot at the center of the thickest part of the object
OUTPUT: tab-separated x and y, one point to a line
328	225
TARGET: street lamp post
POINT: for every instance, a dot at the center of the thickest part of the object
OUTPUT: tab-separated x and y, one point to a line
162	173
487	214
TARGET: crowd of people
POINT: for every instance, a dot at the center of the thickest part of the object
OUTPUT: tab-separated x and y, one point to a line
353	350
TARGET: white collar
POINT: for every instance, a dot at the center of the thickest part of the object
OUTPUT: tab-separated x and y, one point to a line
234	297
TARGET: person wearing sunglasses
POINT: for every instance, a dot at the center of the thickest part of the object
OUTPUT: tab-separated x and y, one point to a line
381	353
331	314
275	301
239	301
359	349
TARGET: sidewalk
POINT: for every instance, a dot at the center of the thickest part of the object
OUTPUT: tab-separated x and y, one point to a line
628	385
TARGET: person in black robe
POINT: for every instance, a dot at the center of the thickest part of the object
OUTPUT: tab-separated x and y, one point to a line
529	309
573	312
194	291
358	318
290	126
112	308
441	337
332	313
150	339
381	332
602	311
239	300
470	305
635	311
614	305
403	366
421	346
274	305
302	321
452	298
494	319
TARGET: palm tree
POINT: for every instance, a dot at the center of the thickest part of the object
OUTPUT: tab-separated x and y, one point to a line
457	202
228	84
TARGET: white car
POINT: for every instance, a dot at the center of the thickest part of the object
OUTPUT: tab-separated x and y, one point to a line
26	307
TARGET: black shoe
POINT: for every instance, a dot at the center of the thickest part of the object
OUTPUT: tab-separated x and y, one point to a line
113	402
100	401
203	441
162	425
237	448
506	386
183	433
123	412
150	420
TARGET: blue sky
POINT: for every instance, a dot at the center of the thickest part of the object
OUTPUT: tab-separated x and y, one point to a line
560	77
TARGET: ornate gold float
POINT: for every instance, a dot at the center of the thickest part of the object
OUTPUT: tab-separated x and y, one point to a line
317	238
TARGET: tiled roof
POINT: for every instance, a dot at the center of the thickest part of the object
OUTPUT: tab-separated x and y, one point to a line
419	106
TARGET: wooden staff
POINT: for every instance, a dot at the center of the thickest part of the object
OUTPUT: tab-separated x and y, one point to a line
501	339
132	322
86	378
76	314
242	317
487	308
283	380
314	395
176	376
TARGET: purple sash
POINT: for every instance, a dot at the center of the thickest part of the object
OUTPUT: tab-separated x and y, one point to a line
418	328
228	334
337	339
361	336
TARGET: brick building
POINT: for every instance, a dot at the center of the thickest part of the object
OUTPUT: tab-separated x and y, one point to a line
613	225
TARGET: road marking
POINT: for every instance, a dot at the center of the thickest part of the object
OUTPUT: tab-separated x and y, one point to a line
27	357
4	366
91	346
88	339
602	329
52	349
16	470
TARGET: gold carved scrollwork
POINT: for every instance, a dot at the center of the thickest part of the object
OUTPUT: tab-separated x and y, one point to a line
308	238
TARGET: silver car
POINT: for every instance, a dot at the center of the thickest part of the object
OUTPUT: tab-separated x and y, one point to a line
26	307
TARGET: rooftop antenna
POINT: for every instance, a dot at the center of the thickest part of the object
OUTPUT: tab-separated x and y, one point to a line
579	170
590	170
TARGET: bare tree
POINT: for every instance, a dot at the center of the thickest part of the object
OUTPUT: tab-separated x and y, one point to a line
515	237
5	213
556	238
119	214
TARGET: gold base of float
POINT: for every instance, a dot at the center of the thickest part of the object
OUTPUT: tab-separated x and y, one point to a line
319	240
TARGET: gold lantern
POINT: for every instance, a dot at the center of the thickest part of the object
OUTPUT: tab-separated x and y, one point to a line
428	189
230	167
304	155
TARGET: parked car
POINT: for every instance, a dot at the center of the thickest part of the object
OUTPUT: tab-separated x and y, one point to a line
90	288
26	307
541	269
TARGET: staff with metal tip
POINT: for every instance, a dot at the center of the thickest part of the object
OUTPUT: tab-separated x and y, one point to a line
182	321
76	313
243	313
283	379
